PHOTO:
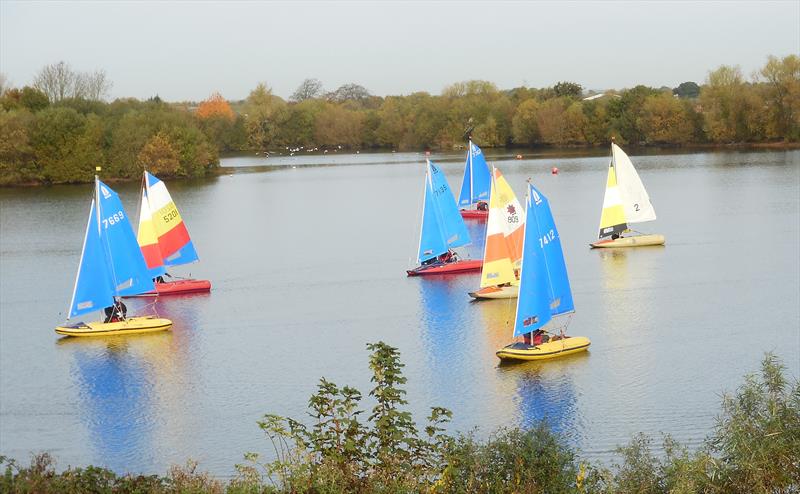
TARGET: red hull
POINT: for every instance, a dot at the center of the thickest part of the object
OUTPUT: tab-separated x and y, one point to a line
179	287
474	214
449	268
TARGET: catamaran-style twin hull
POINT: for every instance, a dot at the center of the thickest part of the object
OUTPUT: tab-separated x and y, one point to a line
133	325
449	268
633	241
552	349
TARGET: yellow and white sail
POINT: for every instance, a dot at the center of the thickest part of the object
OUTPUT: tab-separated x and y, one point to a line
504	234
612	219
632	193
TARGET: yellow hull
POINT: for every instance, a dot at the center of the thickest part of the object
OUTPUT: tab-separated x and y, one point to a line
132	325
551	349
634	241
493	292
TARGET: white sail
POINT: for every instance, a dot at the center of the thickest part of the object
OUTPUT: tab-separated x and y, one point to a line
634	197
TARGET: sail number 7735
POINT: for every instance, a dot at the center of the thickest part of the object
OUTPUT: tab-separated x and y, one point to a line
547	238
113	219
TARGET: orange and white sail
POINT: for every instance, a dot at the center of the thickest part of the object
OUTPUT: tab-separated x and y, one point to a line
504	234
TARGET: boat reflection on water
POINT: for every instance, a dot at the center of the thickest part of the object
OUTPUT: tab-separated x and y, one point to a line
545	391
131	393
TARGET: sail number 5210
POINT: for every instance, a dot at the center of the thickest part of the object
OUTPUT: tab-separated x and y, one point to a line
113	219
547	238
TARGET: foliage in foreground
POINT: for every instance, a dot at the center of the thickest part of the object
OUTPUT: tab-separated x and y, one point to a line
754	448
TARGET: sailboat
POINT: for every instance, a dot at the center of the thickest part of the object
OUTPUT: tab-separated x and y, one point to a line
164	239
475	185
442	229
625	202
503	249
544	293
111	266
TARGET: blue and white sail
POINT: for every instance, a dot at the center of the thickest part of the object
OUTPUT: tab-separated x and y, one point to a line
477	178
442	225
111	261
544	289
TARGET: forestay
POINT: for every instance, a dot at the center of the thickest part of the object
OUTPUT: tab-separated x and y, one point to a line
504	234
476	183
442	225
544	283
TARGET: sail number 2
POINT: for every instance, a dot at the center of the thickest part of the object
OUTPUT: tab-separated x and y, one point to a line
547	238
113	219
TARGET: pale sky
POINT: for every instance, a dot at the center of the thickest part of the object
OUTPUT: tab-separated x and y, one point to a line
186	50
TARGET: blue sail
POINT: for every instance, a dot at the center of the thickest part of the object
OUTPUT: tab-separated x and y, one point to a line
533	302
560	292
129	274
93	288
442	225
477	179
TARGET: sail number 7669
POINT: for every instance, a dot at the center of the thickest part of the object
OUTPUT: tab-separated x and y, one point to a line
113	219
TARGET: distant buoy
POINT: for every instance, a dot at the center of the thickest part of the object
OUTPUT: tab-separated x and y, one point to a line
554	170
519	156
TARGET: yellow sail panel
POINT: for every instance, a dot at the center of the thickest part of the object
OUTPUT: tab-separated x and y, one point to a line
501	252
612	219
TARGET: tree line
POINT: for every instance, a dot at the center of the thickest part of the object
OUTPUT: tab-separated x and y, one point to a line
58	128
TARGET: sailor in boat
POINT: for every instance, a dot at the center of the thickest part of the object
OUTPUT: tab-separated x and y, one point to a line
536	338
117	312
482	206
446	258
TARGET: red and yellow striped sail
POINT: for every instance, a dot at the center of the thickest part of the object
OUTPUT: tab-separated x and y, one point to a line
148	239
504	234
165	223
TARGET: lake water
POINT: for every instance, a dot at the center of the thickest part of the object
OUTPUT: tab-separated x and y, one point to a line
308	266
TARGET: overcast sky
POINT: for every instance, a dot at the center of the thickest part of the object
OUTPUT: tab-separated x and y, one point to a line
186	50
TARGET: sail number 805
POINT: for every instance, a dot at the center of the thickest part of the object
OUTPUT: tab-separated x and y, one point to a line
113	219
547	238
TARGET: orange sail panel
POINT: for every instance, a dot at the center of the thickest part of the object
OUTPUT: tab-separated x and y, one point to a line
148	239
504	234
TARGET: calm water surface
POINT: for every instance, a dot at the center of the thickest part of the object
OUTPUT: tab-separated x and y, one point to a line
308	265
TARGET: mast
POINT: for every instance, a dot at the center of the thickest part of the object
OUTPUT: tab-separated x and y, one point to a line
471	191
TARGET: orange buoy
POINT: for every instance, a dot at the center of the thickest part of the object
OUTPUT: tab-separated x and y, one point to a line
554	170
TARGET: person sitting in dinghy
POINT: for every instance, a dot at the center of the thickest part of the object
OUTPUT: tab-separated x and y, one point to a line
482	206
535	338
115	313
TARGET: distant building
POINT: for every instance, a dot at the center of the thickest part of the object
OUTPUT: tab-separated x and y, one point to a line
600	95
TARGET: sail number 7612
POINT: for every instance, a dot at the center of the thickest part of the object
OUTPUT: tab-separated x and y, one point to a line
547	238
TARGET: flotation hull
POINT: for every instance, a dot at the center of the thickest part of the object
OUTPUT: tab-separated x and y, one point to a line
132	325
634	241
492	292
179	287
543	351
464	266
474	214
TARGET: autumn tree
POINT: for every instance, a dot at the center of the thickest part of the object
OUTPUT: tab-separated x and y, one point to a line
664	120
59	81
264	115
308	89
687	89
158	156
524	124
215	107
733	112
783	96
336	125
567	89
